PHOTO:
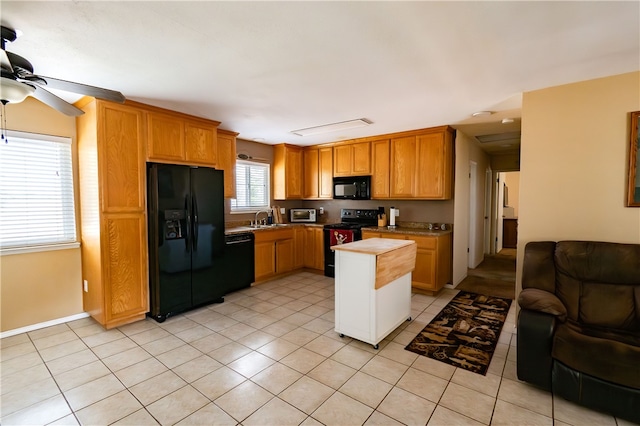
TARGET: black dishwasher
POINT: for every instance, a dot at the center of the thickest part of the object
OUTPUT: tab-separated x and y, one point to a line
239	267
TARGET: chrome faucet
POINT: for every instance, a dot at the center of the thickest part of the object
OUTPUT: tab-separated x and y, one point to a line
262	211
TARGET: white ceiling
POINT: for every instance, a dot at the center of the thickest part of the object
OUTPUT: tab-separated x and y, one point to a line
266	68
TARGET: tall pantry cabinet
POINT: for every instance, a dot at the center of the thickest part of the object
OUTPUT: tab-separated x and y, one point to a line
111	150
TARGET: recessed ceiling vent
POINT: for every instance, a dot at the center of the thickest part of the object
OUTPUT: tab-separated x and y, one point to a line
504	138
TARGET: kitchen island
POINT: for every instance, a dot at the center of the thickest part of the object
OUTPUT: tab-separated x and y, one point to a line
373	287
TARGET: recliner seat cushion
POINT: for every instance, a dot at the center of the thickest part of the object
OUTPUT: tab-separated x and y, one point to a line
605	354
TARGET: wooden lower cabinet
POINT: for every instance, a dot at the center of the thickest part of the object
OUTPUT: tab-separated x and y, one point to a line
284	250
509	233
314	248
299	234
433	259
265	259
124	268
284	256
273	253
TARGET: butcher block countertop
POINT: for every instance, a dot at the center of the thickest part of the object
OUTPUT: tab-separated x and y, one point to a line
394	258
373	246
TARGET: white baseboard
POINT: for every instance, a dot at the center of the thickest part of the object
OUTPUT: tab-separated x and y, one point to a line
40	325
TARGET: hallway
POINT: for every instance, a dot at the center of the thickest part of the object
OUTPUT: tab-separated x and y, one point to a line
495	276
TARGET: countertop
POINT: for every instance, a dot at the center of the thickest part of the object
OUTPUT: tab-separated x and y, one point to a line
373	246
241	229
408	230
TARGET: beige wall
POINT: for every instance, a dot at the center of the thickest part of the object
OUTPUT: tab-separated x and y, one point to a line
43	286
573	175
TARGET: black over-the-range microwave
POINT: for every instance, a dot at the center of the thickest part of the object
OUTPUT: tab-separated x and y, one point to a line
352	188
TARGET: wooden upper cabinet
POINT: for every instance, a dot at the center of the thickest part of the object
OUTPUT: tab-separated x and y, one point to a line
380	168
352	159
165	137
342	160
311	173
416	164
325	169
178	139
200	143
434	166
361	163
421	166
227	160
287	172
403	167
121	162
318	173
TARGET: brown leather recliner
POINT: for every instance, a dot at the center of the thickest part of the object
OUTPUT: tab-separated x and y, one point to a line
579	326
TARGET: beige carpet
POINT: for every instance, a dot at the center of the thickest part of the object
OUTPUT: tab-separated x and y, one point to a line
495	276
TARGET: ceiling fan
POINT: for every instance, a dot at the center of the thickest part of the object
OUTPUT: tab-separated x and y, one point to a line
18	81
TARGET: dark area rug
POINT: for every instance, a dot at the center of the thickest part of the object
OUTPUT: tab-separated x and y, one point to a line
465	332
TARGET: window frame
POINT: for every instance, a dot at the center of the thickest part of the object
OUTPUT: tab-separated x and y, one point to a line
31	247
252	209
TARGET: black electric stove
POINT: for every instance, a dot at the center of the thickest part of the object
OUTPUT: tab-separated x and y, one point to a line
350	220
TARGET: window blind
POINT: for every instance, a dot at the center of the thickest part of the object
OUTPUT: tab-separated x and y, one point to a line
252	186
36	191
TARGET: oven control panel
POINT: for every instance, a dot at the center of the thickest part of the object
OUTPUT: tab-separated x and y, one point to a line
358	214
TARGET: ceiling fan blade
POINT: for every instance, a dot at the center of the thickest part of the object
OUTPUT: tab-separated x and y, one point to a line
55	102
5	62
82	89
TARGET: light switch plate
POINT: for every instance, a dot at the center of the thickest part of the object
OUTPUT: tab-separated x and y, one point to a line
85	285
282	210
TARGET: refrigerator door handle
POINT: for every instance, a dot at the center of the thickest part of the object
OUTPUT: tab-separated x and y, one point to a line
195	222
187	239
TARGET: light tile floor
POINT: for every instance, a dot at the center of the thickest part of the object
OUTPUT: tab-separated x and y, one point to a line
267	356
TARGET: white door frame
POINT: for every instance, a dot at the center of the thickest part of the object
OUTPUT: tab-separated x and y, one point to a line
487	210
473	216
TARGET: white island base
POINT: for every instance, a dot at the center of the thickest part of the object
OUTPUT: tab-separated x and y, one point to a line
373	287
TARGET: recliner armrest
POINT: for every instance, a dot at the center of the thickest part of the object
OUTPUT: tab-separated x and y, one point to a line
538	300
535	339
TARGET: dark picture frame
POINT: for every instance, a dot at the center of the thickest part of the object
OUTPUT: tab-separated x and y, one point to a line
633	196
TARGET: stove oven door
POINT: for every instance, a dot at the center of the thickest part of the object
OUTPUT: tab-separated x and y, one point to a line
329	237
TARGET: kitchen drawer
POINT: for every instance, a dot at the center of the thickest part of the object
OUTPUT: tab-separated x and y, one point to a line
275	235
424	242
393	236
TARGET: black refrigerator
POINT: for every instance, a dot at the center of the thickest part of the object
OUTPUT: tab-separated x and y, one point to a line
186	237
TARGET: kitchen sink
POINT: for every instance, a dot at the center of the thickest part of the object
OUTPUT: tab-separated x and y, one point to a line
273	225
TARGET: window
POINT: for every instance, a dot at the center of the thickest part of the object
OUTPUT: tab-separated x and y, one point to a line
36	192
252	187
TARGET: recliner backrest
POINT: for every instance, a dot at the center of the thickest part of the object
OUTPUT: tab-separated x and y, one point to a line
599	283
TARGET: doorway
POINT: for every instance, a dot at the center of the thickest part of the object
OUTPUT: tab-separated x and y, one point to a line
506	209
495	276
